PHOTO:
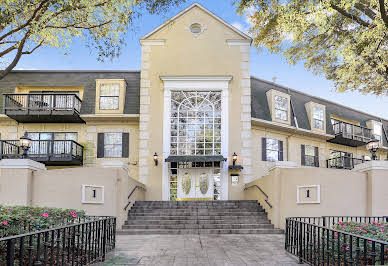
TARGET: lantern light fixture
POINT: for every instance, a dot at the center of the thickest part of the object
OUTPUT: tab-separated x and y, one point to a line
373	146
156	160
25	143
234	158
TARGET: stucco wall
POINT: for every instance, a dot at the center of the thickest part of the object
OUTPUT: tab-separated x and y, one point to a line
343	193
62	188
184	54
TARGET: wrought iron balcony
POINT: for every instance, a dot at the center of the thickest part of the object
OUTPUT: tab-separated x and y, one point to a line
49	152
46	108
343	162
351	135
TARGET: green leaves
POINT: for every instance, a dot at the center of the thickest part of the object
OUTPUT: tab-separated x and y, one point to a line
26	25
344	40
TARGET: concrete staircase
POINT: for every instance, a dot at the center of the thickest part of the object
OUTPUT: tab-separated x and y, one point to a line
197	217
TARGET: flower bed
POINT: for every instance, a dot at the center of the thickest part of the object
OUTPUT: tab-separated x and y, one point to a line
16	220
375	230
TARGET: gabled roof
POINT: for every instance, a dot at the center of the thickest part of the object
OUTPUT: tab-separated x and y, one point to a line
242	34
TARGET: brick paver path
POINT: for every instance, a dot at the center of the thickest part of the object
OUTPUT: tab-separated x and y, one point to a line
200	250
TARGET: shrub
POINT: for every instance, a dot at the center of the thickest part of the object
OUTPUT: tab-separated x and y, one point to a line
375	230
16	220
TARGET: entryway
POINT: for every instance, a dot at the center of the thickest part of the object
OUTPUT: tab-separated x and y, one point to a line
195	184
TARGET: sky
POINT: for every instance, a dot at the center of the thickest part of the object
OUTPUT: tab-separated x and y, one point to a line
263	64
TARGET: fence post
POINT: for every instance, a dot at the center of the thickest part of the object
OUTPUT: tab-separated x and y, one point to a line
300	242
324	221
104	240
286	236
10	252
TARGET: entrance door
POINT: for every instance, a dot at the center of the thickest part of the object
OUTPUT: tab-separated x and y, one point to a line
195	184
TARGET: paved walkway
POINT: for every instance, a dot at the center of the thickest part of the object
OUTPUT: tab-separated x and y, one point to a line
200	250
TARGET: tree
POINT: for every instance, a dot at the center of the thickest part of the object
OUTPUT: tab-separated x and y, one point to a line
27	25
346	40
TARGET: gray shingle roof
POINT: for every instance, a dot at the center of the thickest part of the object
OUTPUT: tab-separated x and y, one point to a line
85	78
261	110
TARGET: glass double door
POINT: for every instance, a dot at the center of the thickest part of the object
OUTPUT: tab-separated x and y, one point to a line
195	184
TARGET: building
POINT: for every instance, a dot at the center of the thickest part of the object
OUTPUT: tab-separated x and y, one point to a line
177	122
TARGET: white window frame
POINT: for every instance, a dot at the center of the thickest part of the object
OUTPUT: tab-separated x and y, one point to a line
121	144
320	109
277	150
109	96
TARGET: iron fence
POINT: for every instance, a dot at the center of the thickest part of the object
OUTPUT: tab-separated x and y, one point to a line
313	241
343	162
352	131
76	244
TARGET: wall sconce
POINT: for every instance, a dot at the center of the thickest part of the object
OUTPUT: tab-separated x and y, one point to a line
234	157
156	159
373	146
25	142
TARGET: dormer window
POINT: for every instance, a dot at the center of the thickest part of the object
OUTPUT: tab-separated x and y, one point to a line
279	105
318	118
281	108
109	96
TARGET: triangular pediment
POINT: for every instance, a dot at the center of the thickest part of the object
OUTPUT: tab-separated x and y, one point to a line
193	6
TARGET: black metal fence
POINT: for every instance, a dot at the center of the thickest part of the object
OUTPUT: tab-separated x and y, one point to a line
343	162
42	102
76	244
352	131
313	241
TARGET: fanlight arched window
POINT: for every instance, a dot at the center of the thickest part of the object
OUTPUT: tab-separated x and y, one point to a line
195	123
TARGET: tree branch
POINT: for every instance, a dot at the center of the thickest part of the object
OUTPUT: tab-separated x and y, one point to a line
9	49
36	47
27	22
350	16
366	10
80	27
16	59
383	12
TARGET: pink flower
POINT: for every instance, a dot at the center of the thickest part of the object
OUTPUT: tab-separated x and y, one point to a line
72	212
335	234
5	222
364	231
45	214
347	248
370	242
382	229
74	215
343	226
339	222
374	223
357	230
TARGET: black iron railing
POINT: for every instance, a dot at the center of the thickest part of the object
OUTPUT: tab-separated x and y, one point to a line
42	102
343	162
76	244
262	192
318	244
352	131
43	150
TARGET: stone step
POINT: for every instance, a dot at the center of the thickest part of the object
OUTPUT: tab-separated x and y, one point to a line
194	221
195	214
189	208
187	217
197	231
199	226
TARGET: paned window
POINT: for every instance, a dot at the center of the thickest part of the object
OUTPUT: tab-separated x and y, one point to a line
109	96
113	145
281	108
272	150
318	118
195	123
310	155
377	131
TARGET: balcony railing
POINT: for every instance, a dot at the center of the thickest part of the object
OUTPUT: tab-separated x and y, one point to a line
351	135
343	162
49	152
35	108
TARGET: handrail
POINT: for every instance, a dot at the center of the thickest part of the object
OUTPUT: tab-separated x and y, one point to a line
130	194
265	194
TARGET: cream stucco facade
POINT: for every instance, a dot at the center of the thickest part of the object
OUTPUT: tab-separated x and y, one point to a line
193	105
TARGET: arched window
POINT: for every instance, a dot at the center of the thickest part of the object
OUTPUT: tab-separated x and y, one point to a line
195	123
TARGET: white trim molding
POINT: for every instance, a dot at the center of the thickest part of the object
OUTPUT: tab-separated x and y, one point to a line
238	42
21	164
83	199
153	42
318	187
371	165
283	164
198	83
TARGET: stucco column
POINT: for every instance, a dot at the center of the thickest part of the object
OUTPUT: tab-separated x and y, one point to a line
16	180
377	183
